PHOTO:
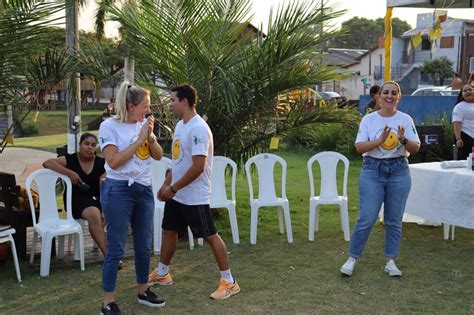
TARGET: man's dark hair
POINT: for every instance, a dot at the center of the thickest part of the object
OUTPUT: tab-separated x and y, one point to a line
186	91
375	89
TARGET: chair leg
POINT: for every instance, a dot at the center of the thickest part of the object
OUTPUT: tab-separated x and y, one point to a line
80	242
46	244
77	248
280	219
345	221
157	232
33	247
452	232
201	241
69	243
61	239
253	224
446	231
233	223
316	217
15	259
312	218
289	232
191	239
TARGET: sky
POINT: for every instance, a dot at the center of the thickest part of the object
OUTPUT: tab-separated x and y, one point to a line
370	9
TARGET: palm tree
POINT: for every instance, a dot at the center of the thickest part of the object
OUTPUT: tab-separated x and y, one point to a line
238	74
27	66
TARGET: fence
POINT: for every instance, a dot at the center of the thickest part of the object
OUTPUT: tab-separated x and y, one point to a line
420	108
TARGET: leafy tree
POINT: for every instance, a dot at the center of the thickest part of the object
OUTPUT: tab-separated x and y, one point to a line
438	68
238	74
362	33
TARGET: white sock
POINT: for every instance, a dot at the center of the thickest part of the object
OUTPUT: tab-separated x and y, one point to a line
163	269
227	275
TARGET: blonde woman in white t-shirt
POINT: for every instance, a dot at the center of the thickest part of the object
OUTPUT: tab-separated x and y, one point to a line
463	119
385	139
128	144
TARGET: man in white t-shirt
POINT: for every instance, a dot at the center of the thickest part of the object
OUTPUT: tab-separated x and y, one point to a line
187	193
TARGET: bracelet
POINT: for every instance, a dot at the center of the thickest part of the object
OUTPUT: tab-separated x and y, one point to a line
172	189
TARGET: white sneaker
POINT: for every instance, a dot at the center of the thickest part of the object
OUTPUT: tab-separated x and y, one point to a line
392	269
348	267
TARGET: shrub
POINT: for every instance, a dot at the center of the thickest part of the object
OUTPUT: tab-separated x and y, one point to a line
28	129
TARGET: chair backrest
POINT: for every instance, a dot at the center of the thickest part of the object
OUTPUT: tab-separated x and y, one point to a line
45	180
328	164
219	167
265	164
159	170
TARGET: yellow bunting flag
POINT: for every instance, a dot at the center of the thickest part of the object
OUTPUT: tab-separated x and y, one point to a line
416	40
435	33
274	143
8	137
36	116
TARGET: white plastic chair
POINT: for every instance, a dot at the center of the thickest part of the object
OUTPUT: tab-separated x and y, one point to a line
219	193
265	164
49	224
328	162
158	176
6	236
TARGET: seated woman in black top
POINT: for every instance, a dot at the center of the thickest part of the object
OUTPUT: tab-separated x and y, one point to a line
85	170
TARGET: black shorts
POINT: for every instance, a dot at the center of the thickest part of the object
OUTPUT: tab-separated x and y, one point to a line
179	216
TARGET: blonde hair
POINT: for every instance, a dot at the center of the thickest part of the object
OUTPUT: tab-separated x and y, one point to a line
128	94
394	83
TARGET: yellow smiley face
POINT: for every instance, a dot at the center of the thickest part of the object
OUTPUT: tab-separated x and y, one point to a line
176	149
143	151
391	142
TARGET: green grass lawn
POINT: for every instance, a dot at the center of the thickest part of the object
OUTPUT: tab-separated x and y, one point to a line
54	122
275	277
49	142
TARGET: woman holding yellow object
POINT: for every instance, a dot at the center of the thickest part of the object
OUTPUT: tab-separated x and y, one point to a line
385	140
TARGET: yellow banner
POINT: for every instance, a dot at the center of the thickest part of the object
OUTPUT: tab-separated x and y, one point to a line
388	43
274	143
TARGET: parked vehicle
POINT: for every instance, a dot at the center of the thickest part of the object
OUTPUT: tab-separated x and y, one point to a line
332	98
435	91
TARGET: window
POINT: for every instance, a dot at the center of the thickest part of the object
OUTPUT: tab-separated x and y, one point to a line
425	44
447	42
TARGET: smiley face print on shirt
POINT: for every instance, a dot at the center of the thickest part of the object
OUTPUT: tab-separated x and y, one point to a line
391	142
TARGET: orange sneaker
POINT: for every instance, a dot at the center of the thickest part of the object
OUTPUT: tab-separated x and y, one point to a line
154	278
225	290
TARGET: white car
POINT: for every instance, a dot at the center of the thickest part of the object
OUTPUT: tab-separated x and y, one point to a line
435	91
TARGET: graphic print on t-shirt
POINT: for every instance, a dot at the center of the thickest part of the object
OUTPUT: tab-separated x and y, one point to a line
391	142
143	152
176	149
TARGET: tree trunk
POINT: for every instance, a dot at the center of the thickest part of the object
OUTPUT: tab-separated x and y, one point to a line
73	83
129	70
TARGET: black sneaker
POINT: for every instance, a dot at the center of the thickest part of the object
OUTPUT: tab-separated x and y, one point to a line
111	309
149	298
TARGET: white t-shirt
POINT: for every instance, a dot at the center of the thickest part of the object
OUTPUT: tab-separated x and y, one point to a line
189	139
372	126
122	135
464	112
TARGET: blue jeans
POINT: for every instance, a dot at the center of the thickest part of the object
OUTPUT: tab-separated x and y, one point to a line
381	181
125	205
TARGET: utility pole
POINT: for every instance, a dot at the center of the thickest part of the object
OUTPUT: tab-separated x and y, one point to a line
73	82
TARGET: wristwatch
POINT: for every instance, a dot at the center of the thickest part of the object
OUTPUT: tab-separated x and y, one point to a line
172	189
404	141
